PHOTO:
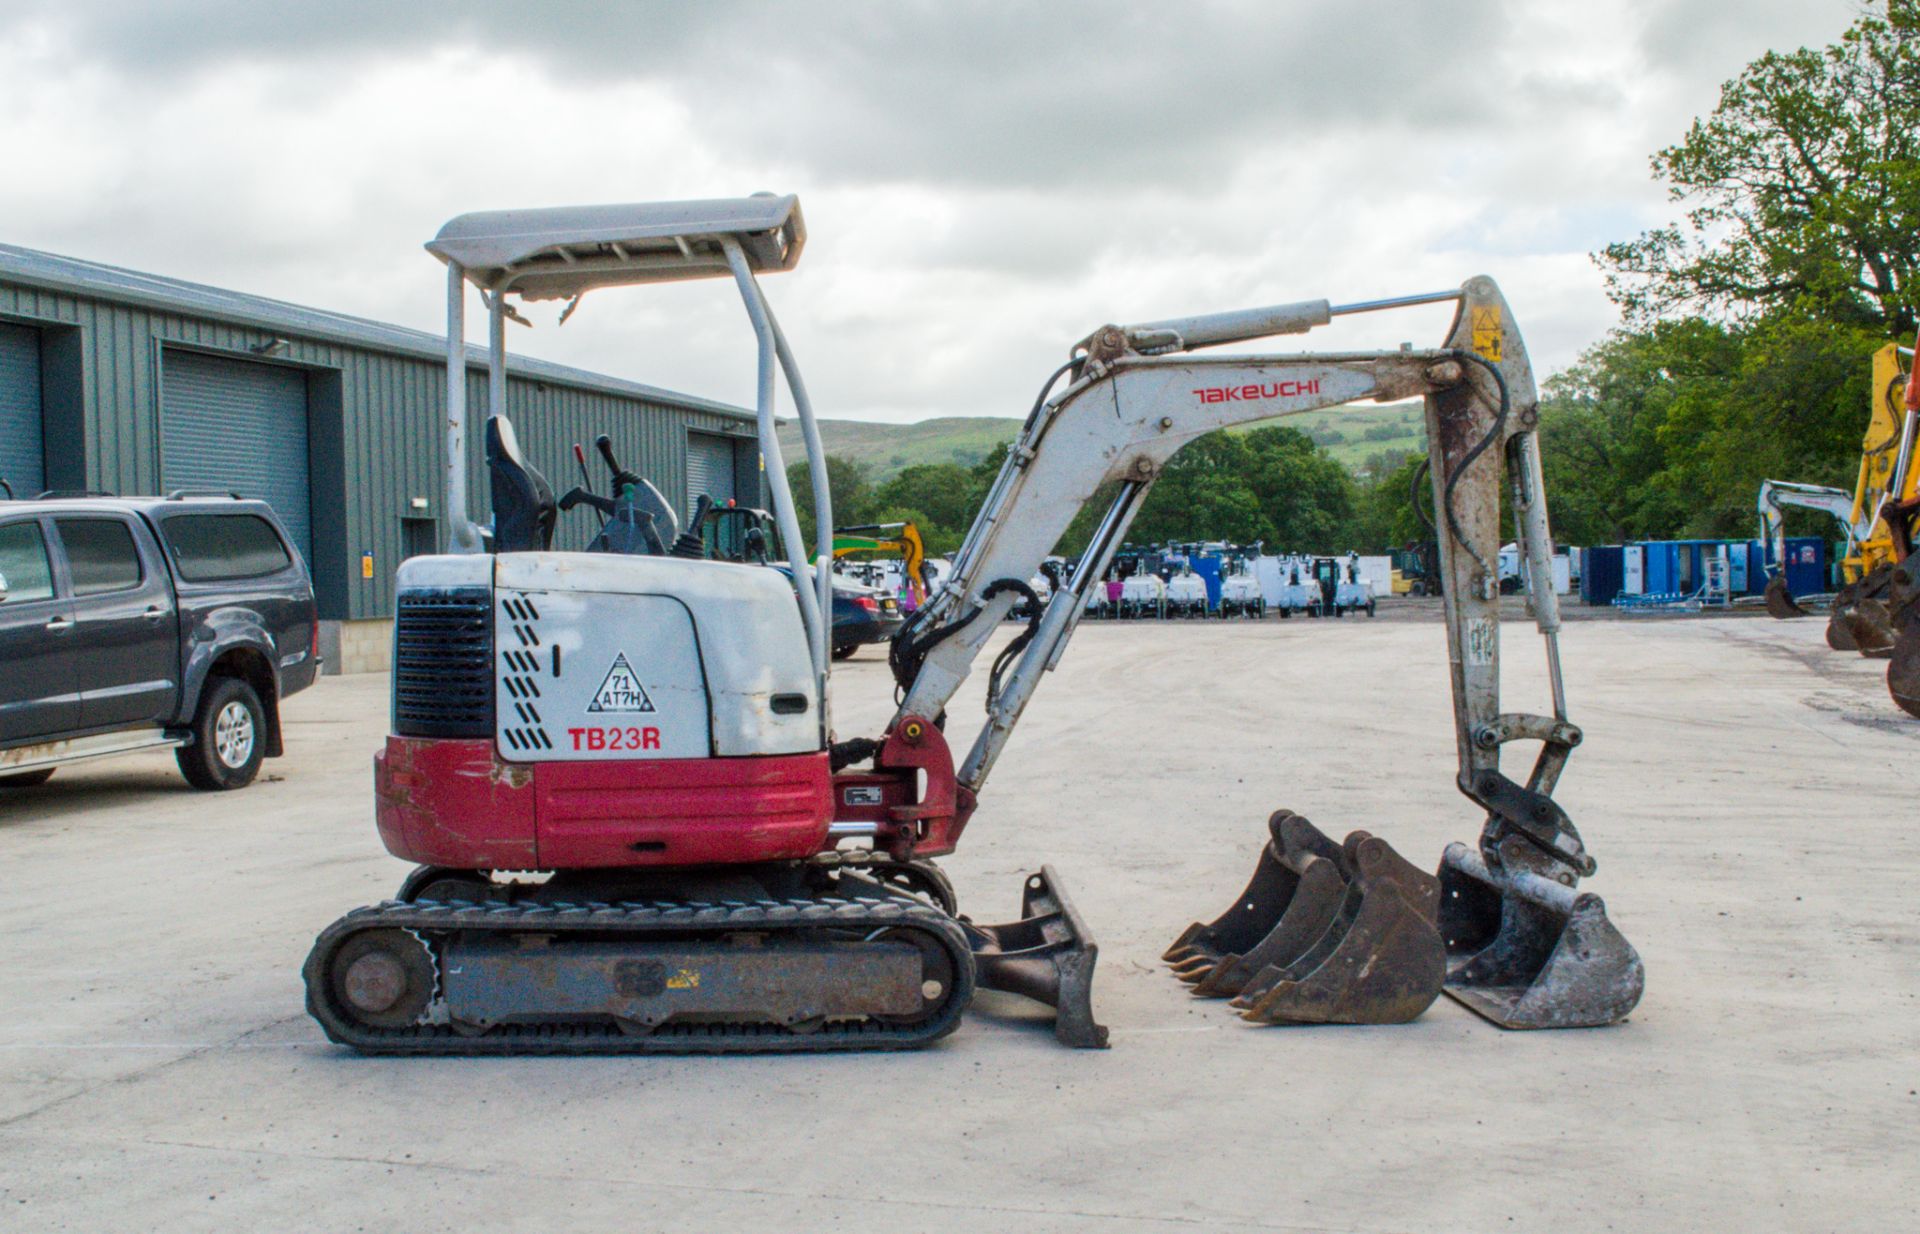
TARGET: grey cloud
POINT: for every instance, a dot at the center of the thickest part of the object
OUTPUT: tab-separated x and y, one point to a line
939	93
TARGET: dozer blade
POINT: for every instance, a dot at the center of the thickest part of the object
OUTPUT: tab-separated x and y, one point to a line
1526	952
1048	955
1780	601
1325	933
1903	671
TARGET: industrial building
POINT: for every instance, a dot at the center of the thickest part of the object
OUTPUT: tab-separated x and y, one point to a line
122	382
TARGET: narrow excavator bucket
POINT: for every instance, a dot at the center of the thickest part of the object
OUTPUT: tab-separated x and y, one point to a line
1324	933
1526	952
1048	955
1780	601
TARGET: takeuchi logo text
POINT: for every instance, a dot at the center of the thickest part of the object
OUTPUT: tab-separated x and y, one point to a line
1254	393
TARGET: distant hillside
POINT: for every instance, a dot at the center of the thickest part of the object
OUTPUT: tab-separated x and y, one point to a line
1350	434
886	449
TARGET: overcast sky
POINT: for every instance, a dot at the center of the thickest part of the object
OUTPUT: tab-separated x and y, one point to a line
983	182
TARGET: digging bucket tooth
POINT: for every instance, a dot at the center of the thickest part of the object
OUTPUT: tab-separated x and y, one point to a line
1048	955
1525	951
1376	959
1325	933
1217	957
1780	602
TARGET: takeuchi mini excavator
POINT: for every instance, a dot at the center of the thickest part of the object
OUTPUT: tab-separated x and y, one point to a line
636	829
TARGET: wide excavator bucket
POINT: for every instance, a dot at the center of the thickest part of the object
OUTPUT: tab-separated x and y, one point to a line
1048	955
1525	951
1325	933
1861	620
1780	601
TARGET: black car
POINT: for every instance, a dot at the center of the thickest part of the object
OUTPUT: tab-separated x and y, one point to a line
148	623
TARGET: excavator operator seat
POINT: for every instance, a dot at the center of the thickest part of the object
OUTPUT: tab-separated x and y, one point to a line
524	511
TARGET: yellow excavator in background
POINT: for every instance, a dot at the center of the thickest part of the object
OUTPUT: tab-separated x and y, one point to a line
905	540
1877	526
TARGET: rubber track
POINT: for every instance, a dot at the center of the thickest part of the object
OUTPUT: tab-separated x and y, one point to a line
643	922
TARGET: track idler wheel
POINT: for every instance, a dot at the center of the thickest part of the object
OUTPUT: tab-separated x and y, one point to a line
1780	602
1048	955
1526	951
383	978
1324	933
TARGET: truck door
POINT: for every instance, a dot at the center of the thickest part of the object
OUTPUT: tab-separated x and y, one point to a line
124	621
38	696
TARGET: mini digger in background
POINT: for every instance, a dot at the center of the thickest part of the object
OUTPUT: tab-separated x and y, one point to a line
649	729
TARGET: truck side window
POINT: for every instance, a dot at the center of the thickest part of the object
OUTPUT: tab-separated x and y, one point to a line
211	548
24	564
100	555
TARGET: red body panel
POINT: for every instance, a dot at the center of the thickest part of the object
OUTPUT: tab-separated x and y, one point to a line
680	812
454	802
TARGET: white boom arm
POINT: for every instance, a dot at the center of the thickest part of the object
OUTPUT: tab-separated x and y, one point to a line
1126	413
1776	495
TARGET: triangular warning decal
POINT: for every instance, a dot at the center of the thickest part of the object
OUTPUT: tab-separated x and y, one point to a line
621	691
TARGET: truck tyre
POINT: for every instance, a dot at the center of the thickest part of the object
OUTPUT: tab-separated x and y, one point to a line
229	737
27	779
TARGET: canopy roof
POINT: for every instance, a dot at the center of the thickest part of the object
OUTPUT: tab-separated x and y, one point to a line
559	252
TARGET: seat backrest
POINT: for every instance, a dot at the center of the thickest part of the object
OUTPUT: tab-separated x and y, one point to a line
524	511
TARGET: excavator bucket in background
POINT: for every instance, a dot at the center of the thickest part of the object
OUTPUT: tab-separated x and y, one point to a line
1780	601
1325	933
1525	951
1860	620
1903	671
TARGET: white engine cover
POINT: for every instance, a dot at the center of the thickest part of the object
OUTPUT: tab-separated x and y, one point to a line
602	656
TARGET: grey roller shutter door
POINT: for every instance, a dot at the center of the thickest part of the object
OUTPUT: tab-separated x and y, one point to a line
239	426
709	468
22	450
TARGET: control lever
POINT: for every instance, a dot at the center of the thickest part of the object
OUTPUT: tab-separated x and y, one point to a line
690	544
621	476
577	496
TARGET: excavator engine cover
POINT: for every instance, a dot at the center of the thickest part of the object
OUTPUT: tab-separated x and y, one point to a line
1325	933
1526	951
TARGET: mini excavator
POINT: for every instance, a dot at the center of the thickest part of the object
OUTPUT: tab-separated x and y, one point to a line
636	830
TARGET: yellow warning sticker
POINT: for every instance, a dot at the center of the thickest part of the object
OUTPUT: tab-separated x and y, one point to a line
1487	333
685	979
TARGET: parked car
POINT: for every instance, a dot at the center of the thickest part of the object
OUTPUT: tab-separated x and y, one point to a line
861	614
143	623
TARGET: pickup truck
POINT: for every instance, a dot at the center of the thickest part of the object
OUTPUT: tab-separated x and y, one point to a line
140	623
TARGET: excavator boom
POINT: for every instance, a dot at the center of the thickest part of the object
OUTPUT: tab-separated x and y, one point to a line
1134	397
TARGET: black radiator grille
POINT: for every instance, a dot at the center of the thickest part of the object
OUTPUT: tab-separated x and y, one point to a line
443	663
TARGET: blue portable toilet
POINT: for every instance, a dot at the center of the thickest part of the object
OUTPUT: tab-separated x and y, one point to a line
1663	566
1600	573
1736	568
1208	568
1806	565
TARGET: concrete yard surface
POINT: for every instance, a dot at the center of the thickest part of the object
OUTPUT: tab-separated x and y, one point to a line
1742	787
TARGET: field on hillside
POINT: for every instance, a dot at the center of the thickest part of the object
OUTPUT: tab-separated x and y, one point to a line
1350	434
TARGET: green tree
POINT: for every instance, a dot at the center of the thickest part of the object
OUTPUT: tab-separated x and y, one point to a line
1802	189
